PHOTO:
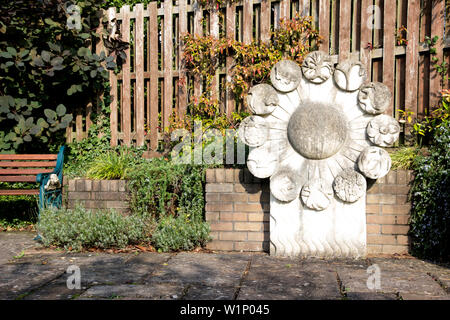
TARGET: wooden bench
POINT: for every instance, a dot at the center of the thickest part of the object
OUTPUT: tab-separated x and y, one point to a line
33	168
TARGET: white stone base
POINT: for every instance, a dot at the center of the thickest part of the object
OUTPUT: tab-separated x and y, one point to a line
336	232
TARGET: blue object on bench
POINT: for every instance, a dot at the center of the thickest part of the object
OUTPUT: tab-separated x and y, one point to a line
49	198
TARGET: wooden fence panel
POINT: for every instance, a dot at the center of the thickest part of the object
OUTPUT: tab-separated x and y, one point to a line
346	26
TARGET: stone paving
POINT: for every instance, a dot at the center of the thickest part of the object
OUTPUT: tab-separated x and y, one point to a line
30	272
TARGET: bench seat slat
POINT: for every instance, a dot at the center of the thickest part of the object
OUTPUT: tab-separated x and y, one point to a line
24	171
28	156
18	178
27	164
17	192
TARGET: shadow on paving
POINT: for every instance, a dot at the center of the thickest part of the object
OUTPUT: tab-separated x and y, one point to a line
41	274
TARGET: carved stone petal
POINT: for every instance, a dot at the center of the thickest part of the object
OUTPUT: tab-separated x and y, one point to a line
317	67
285	185
349	185
286	75
383	130
317	194
262	99
262	162
374	162
350	75
253	131
374	98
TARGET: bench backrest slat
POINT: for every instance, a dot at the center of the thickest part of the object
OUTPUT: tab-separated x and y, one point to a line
28	156
17	178
27	164
24	171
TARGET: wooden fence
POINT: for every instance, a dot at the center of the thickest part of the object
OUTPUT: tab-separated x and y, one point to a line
153	84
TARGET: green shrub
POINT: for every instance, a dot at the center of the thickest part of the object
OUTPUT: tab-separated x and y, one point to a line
81	228
430	197
113	164
180	233
403	158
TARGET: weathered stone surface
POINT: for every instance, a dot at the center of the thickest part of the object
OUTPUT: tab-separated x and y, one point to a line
317	194
374	162
317	67
285	75
262	99
317	131
350	75
349	185
374	97
261	162
153	291
383	130
285	185
253	131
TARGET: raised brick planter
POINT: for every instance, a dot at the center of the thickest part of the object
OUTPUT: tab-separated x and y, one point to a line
238	206
98	194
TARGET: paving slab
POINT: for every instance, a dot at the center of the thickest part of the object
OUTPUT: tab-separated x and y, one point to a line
154	291
272	278
203	292
203	268
13	243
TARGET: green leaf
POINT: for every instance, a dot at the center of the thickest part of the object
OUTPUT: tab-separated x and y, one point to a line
11	51
45	56
57	61
61	110
50	114
54	47
6	55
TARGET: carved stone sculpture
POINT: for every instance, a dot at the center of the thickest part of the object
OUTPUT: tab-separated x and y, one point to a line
314	137
383	130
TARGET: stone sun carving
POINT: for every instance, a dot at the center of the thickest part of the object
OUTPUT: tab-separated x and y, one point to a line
317	132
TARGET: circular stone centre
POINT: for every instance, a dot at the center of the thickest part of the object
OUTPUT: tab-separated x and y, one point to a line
317	131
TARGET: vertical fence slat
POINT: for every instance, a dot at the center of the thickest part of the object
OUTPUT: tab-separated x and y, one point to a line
198	31
285	6
412	56
365	55
139	69
344	29
79	125
152	94
388	50
247	22
437	29
305	7
182	84
230	31
324	24
168	61
265	20
214	32
125	105
113	94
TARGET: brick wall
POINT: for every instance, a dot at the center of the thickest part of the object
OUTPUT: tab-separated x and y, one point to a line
238	206
98	194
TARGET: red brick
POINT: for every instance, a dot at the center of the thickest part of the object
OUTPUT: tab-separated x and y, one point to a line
219	187
373	199
255	197
104	185
220	175
402	219
402	199
391	177
402	177
248	226
395	229
374	189
114	185
391	249
401	190
123	186
116	204
373	209
96	185
258	236
79	185
259	217
402	240
377	219
212	197
229	175
214	235
233	236
233	197
219	206
381	239
387	199
88	185
247	188
248	246
233	216
248	207
396	209
220	245
374	249
212	216
79	195
210	175
221	226
72	184
373	229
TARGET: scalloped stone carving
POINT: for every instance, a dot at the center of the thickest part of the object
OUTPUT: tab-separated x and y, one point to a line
317	194
374	162
253	131
286	75
383	130
262	99
349	185
374	98
350	75
284	185
317	67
